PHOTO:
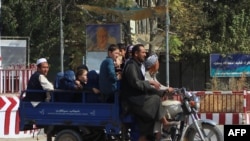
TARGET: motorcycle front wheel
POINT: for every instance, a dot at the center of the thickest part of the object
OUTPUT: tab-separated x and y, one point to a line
210	132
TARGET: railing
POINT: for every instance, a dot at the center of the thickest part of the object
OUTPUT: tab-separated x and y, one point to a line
223	101
13	80
224	107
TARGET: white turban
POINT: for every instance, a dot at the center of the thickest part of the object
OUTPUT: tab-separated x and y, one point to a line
41	60
150	61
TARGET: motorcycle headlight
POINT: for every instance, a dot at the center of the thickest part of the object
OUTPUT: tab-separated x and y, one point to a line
195	103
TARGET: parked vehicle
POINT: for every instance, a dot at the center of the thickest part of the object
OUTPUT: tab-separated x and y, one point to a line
183	111
88	121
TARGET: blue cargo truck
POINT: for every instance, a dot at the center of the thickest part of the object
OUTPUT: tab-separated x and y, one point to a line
76	121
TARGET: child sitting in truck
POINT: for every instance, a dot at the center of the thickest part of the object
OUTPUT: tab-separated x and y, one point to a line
67	82
88	81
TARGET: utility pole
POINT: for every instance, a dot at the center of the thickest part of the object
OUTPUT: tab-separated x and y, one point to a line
167	43
61	37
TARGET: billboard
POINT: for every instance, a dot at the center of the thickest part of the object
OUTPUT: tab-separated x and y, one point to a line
13	52
98	38
232	65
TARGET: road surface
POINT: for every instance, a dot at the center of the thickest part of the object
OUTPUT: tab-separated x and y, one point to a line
42	137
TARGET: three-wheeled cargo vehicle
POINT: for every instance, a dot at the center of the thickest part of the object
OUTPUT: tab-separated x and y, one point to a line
75	121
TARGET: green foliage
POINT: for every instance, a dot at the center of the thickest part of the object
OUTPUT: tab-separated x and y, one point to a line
125	3
199	27
35	20
41	22
175	44
229	26
239	32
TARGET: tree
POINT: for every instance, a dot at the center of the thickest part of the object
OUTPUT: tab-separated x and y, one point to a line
228	26
197	28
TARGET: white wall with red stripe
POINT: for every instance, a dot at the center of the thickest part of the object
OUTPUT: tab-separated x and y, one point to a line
9	118
12	82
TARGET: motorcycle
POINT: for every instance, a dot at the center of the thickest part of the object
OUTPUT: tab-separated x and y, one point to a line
182	111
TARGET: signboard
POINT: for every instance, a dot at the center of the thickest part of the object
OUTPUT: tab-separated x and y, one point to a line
13	52
232	65
98	38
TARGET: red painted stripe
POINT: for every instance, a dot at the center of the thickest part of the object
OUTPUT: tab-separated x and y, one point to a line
200	93
216	92
236	119
17	79
222	118
23	84
7	115
209	115
17	123
1	82
2	103
7	81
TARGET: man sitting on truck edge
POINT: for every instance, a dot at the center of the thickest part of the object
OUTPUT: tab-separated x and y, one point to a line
39	81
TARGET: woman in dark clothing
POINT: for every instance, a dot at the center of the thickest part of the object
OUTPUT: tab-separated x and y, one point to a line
143	96
93	84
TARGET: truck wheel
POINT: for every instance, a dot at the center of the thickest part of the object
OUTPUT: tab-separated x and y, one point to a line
68	135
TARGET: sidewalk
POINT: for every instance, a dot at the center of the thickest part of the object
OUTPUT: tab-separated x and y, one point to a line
36	138
41	136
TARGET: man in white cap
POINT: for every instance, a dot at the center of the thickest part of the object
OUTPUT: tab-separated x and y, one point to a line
39	81
152	66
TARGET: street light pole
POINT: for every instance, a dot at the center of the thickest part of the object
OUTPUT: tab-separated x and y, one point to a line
61	37
167	43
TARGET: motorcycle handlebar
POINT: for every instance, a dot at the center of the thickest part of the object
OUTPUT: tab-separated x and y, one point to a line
183	92
179	90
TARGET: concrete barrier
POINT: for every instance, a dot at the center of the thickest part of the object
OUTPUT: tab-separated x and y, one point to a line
9	119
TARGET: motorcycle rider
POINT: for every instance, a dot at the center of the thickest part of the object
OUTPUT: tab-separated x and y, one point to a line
143	96
152	66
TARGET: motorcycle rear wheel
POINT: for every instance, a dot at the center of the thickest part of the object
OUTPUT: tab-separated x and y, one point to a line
211	133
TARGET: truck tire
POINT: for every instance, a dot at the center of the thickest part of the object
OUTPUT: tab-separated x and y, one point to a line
68	135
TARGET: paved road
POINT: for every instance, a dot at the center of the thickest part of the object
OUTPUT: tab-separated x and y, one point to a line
42	137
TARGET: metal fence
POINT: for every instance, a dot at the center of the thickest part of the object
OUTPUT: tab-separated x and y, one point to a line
13	80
